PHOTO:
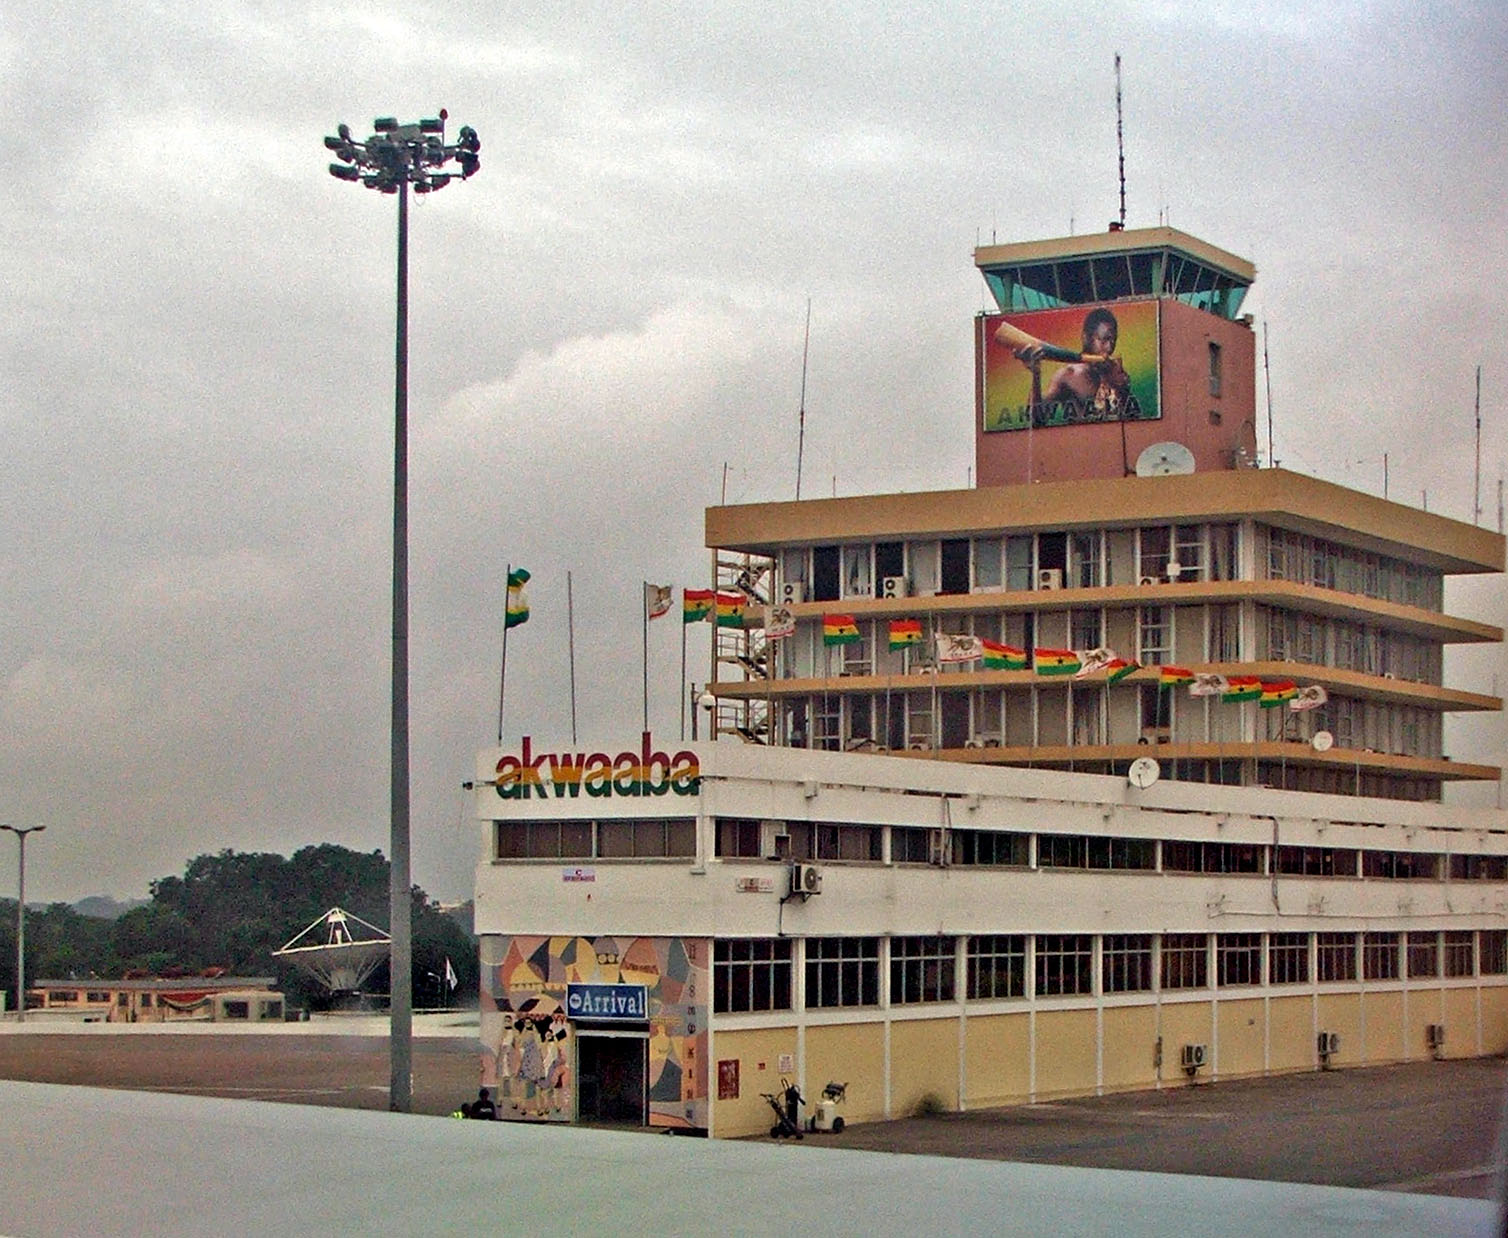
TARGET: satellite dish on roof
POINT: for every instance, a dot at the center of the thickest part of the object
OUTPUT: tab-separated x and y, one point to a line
1164	460
1322	741
1144	772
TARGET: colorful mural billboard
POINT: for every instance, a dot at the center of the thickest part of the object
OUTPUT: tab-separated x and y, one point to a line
1078	365
528	1026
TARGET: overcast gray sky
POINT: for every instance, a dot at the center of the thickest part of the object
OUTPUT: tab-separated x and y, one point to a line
197	344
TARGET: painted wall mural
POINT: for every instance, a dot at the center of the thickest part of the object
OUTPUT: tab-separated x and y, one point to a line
528	1041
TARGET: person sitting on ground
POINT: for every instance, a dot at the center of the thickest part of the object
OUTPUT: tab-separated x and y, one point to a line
483	1107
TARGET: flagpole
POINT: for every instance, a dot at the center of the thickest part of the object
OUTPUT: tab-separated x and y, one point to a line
571	646
684	689
502	679
644	621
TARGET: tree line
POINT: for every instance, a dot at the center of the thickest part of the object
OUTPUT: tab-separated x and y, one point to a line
232	909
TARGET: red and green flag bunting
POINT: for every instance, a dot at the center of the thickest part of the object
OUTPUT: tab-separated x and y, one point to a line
1275	694
1241	688
730	610
839	630
998	657
1056	661
904	633
696	605
1174	676
1118	668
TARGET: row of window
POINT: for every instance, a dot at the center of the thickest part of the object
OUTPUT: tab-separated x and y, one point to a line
1317	561
754	975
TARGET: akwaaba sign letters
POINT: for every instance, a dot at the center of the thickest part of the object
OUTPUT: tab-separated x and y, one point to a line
567	775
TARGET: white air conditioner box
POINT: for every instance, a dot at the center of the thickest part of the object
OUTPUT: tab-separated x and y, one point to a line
1329	1042
1434	1035
806	880
894	587
1050	578
1149	580
792	592
1194	1057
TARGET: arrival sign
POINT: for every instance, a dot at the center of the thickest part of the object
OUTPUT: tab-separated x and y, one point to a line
624	1003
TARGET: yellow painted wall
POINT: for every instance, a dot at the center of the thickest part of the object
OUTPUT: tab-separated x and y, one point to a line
1239	1050
1065	1052
923	1064
1460	1023
1383	1013
1130	1047
1341	1013
1184	1023
1423	1009
1290	1028
854	1055
758	1054
1494	1019
996	1069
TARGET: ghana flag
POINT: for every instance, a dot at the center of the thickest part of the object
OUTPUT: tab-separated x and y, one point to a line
1174	676
839	630
904	633
999	657
696	604
517	610
1277	692
1241	688
1056	661
730	610
1118	668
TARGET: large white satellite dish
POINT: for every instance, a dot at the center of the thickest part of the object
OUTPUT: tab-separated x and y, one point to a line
1144	772
1322	741
1164	460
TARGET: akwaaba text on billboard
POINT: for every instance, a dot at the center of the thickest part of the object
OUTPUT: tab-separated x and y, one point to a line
1075	365
567	775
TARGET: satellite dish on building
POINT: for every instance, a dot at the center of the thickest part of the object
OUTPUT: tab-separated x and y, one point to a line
1144	772
1323	741
1164	460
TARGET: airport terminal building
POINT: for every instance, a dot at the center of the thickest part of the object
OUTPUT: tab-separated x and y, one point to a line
1121	769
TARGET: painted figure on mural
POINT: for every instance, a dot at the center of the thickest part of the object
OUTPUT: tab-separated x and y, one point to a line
1097	390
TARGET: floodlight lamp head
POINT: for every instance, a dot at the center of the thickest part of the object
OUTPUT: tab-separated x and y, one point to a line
432	125
385	124
344	130
469	165
468	140
345	172
333	143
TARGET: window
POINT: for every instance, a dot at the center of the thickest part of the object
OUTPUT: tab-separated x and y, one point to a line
995	847
1018	562
848	842
1238	958
858	580
1152	552
122	1000
1136	853
146	1001
96	996
1492	945
648	838
1126	963
921	969
751	975
1061	851
1400	865
1215	368
1479	868
1084	628
988	563
1458	951
1288	958
1191	857
653	838
543	840
1336	956
842	971
1064	964
910	844
1424	954
1154	637
996	966
237	1010
272	1010
1315	861
1379	956
738	837
1185	961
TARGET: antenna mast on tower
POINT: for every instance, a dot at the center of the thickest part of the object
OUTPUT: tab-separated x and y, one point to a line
801	415
1120	138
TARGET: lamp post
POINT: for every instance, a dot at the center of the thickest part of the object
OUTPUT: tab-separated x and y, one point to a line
21	832
393	158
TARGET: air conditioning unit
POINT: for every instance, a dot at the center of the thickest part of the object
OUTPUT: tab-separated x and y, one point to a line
774	840
1328	1043
792	592
1050	578
894	587
974	742
1149	580
1434	1035
806	880
1193	1057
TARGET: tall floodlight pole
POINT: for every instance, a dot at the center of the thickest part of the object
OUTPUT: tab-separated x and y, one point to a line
21	832
393	158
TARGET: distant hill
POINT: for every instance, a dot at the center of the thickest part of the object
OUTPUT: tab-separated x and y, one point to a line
102	907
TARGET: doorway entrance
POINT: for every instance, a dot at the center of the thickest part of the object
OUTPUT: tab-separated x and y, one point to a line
612	1073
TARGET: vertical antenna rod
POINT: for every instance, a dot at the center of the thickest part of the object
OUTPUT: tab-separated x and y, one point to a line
1476	502
1120	137
801	415
1272	460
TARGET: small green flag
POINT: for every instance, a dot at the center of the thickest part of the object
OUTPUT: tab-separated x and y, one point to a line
518	604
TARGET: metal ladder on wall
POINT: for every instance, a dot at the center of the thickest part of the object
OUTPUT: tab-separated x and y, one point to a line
741	655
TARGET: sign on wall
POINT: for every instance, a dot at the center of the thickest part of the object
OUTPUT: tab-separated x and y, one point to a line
569	775
627	1003
1078	365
